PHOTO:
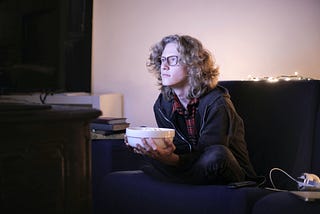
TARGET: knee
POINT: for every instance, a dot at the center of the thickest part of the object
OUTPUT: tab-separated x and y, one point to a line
219	165
216	154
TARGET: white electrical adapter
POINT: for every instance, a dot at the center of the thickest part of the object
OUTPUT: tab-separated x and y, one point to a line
309	182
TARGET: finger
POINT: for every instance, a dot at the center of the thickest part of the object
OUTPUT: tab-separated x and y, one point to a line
168	142
140	149
152	143
146	145
126	141
128	146
135	150
169	145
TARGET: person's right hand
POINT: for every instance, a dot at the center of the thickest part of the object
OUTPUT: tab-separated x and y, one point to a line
138	149
127	144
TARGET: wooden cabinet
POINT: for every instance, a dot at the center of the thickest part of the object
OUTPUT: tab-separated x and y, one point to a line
45	159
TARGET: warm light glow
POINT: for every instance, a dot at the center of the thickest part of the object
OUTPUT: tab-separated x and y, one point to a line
272	79
282	77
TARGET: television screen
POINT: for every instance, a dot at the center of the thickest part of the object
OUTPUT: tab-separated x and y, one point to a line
45	46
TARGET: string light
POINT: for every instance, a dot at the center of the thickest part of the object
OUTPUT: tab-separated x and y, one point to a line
295	76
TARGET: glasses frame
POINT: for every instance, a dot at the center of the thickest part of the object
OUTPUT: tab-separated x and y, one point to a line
167	60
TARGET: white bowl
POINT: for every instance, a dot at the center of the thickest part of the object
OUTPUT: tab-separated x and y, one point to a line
135	135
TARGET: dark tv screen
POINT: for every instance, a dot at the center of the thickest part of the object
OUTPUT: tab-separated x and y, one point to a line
45	46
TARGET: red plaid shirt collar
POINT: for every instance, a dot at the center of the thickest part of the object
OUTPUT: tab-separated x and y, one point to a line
189	115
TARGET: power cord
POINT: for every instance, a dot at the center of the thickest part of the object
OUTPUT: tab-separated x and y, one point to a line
43	96
278	169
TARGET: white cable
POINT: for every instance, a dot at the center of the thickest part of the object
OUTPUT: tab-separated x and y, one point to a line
270	176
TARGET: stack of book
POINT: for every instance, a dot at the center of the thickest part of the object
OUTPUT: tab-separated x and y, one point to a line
108	127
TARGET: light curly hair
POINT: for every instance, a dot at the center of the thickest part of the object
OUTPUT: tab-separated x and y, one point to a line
202	70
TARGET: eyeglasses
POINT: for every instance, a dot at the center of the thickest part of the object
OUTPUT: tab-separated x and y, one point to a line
171	60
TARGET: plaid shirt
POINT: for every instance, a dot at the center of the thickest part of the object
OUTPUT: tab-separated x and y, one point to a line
189	116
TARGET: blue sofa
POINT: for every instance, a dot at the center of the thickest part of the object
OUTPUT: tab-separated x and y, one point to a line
282	122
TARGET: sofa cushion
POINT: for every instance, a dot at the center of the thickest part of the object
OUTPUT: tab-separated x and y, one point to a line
109	155
285	202
136	192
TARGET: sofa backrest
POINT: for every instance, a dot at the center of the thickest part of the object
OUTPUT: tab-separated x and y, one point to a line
281	123
315	168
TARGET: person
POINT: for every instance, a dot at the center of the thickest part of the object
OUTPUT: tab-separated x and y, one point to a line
209	145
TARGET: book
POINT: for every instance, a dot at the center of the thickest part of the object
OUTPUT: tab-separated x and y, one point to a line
112	136
110	120
108	132
109	127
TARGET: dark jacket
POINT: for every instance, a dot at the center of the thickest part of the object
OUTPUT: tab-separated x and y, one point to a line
217	122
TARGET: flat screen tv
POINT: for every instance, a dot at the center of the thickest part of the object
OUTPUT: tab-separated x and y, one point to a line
45	46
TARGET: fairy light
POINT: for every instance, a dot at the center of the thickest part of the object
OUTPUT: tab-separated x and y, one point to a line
271	79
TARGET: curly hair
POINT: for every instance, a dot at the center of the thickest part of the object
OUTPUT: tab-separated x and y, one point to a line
202	70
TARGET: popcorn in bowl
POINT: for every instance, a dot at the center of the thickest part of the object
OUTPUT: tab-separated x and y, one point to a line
135	134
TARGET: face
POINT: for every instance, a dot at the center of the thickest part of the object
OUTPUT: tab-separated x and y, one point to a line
172	75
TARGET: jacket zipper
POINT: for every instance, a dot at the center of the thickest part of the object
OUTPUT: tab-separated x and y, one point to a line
204	116
180	135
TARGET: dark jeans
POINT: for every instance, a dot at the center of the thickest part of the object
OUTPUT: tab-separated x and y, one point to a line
216	165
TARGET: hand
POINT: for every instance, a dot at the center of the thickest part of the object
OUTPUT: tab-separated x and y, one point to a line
164	153
139	149
127	144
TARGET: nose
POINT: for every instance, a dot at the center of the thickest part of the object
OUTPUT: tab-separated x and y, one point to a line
165	66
